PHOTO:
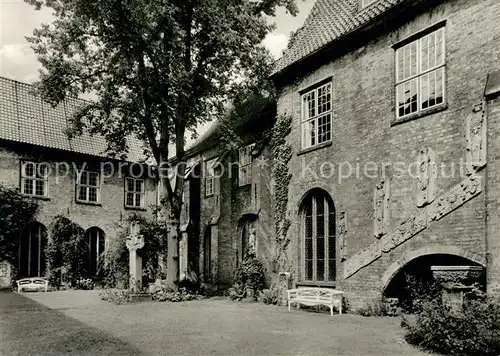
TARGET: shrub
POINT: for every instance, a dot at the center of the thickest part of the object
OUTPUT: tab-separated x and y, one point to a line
273	295
165	294
375	307
84	284
16	212
67	252
475	331
116	296
249	279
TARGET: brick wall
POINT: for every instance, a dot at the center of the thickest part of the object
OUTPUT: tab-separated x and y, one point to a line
363	102
62	198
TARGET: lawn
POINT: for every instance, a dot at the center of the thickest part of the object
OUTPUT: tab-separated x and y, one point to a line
78	322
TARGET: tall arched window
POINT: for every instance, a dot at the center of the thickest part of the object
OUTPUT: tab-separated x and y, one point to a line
95	245
318	237
32	244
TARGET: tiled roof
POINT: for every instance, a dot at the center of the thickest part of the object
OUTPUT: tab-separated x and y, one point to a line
328	21
26	118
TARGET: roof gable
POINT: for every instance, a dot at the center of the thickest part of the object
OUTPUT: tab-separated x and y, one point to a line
328	21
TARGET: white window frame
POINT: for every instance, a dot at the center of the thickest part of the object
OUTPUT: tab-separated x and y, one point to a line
306	118
135	193
210	177
366	3
38	176
245	165
79	185
420	73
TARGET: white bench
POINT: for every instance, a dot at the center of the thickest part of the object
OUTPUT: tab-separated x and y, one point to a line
35	283
316	296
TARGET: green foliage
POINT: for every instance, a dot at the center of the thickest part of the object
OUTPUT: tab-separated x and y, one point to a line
273	295
116	296
116	260
475	331
282	154
165	294
84	284
67	252
417	291
16	212
374	307
249	279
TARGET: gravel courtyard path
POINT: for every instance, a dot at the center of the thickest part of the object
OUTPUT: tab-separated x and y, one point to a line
78	322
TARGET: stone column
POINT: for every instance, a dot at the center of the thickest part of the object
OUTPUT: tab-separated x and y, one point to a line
135	242
456	281
492	96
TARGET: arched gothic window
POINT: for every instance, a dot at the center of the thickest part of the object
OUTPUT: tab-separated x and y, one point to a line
95	245
318	237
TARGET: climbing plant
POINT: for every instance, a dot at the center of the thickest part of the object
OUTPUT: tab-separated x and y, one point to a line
67	252
16	211
281	154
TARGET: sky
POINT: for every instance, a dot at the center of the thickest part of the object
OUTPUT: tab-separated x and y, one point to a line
18	19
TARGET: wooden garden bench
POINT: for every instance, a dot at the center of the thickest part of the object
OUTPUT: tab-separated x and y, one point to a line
35	283
316	296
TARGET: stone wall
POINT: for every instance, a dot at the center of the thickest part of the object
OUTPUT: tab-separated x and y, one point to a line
364	131
62	196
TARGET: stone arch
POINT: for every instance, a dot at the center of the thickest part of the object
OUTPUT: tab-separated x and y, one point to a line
396	266
245	222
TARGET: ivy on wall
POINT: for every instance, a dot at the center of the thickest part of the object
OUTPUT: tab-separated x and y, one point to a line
16	212
281	154
67	252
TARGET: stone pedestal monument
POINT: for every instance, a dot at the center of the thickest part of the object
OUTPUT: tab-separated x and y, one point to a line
135	242
456	282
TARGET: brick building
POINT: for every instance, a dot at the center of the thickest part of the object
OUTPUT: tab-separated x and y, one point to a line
391	171
73	177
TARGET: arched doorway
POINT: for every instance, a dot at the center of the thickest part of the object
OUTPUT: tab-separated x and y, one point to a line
207	254
32	243
95	240
415	278
317	237
248	237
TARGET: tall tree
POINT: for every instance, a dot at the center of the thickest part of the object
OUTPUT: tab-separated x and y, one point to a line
159	69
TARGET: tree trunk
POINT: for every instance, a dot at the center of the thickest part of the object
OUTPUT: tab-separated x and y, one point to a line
171	214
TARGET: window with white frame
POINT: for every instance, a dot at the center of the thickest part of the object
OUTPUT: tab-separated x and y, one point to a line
420	74
245	165
365	3
210	177
134	193
34	179
317	116
88	187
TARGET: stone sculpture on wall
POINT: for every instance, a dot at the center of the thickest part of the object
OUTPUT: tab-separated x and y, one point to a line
381	198
455	197
342	232
475	132
426	179
445	204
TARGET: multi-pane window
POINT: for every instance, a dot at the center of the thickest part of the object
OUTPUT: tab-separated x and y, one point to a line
318	235
88	186
210	177
134	193
245	165
420	74
34	179
317	116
